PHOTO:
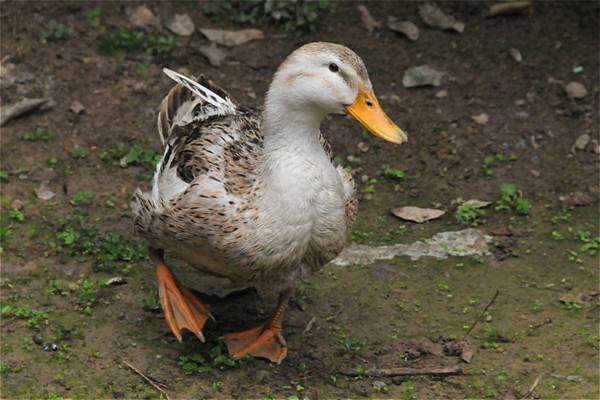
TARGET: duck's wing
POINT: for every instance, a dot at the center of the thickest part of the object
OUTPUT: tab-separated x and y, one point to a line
348	185
210	165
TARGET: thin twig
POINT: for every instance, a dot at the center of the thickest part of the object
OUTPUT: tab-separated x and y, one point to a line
548	321
146	378
387	372
309	325
489	304
532	388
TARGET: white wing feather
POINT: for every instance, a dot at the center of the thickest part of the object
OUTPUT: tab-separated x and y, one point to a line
204	93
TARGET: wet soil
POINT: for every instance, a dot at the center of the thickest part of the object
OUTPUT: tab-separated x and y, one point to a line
544	323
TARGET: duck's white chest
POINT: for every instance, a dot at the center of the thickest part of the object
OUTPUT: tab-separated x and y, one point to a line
303	207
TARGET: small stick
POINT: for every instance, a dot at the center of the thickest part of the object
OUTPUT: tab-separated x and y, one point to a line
546	322
489	304
532	388
387	372
309	325
146	378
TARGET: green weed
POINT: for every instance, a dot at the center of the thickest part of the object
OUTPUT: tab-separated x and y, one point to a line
512	199
79	152
80	198
158	46
56	32
79	238
468	214
38	134
291	15
490	160
17	215
392	173
34	318
590	243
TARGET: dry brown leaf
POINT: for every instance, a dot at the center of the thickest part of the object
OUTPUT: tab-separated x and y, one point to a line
481	119
232	38
77	107
409	29
417	214
367	20
142	17
213	54
431	14
43	193
477	203
576	90
509	8
182	25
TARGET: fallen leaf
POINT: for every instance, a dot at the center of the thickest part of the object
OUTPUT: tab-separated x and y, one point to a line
417	214
477	203
214	54
422	75
481	119
20	108
576	90
580	298
441	94
367	20
182	25
576	199
77	107
426	346
142	17
232	38
509	8
407	28
515	54
581	143
431	14
535	172
43	193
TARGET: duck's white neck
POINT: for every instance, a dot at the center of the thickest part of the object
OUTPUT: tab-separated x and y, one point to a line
289	125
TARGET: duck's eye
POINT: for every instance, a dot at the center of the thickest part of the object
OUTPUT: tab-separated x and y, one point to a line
333	67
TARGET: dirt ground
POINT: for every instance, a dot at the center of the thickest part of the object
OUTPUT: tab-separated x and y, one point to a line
66	333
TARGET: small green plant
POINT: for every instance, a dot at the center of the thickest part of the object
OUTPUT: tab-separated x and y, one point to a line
34	318
468	214
79	152
3	176
590	243
392	173
57	287
88	294
80	198
193	363
38	134
79	238
151	303
158	46
490	160
512	199
352	345
291	15
125	156
17	215
56	32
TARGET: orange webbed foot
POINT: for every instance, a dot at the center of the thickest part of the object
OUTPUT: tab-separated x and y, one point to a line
264	341
182	309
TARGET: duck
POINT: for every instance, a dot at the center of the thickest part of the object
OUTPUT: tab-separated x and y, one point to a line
255	196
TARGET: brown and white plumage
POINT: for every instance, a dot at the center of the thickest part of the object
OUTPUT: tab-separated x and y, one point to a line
255	197
206	190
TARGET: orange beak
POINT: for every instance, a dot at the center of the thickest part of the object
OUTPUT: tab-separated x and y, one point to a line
368	112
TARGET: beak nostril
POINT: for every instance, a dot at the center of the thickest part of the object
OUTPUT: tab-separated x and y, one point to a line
369	103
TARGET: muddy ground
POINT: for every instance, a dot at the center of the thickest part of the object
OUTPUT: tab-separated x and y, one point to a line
67	334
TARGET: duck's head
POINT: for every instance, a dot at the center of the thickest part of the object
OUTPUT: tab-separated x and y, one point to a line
322	78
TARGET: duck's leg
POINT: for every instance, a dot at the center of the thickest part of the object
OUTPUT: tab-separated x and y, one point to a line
265	340
182	309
